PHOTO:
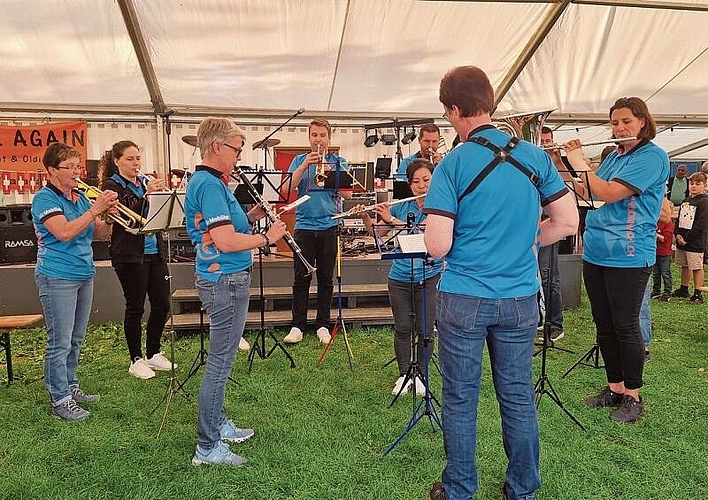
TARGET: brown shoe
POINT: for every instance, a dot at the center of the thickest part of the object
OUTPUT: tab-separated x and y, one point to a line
437	492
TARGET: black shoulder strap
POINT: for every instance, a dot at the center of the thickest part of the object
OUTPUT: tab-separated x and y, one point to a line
500	155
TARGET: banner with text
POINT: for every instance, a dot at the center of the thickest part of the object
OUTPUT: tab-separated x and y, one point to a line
22	148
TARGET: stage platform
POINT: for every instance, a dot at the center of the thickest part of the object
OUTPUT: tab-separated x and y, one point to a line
19	294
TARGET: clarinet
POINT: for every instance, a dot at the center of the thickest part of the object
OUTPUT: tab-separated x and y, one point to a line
272	217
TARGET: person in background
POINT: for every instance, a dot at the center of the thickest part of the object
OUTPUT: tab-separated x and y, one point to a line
428	141
315	231
489	300
66	222
221	233
620	249
664	251
139	261
677	188
424	279
692	237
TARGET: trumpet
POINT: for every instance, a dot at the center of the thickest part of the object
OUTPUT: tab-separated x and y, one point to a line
596	143
126	217
367	208
321	175
146	179
272	216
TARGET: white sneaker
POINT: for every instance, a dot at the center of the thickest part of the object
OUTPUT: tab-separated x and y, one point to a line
159	362
243	345
419	387
399	385
140	369
294	336
323	335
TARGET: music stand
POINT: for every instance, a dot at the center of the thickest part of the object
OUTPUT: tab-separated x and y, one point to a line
166	213
412	247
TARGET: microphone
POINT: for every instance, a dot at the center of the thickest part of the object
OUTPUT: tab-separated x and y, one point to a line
410	219
300	111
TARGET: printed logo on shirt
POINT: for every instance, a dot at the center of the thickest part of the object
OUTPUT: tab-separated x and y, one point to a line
686	216
218	218
49	211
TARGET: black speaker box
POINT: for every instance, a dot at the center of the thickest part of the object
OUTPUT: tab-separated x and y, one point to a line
16	215
18	244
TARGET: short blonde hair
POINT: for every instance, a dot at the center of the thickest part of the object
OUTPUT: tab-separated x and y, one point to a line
213	129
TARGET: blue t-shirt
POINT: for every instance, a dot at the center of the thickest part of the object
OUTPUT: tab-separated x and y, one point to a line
401	173
150	247
494	233
209	204
67	260
623	234
401	268
316	213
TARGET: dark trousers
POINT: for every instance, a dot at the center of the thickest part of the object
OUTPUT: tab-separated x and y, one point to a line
137	281
662	271
547	265
399	293
615	299
319	248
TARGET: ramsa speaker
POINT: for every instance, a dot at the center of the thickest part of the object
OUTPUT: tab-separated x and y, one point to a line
18	244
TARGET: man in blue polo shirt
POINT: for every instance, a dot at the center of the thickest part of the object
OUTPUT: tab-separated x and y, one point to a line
488	289
315	231
428	140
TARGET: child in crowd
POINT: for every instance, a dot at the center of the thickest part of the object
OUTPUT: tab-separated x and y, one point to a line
692	237
662	267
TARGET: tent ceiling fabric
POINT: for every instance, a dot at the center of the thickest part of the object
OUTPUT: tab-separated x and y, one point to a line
351	57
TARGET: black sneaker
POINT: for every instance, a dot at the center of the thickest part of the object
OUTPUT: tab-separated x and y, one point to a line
437	492
629	411
665	297
647	356
606	397
696	299
680	292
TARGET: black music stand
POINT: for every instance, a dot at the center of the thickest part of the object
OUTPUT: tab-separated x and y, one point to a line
336	175
166	213
412	247
591	357
265	187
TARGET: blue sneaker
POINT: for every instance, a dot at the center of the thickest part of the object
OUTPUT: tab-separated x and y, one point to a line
219	455
229	432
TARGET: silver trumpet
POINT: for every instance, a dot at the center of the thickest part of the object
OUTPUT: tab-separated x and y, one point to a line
272	217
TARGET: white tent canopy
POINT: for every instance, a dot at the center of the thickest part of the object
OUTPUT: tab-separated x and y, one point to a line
363	59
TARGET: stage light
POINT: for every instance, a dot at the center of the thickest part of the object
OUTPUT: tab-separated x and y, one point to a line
371	139
388	139
409	137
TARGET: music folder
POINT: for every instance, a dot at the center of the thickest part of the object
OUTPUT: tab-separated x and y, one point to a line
338	179
166	211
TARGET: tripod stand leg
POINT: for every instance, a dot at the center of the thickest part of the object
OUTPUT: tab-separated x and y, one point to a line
544	386
592	355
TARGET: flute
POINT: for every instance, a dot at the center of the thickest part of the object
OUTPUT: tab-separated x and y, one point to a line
352	211
596	143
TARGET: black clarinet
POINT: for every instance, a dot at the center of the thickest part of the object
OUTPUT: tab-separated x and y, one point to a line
272	217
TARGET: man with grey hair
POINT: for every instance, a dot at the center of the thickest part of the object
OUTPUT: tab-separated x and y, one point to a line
220	231
677	187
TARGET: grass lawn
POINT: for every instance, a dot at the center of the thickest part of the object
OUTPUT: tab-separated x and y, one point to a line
320	432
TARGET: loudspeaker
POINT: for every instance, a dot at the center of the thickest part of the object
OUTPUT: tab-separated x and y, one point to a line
16	215
18	244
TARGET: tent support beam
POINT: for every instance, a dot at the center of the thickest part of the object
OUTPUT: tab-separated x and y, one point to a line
531	47
688	148
130	17
646	4
339	56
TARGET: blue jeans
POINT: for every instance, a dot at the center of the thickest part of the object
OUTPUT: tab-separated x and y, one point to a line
67	307
554	303
509	328
662	272
645	316
226	303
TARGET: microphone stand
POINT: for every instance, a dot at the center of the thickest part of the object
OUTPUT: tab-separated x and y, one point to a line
265	139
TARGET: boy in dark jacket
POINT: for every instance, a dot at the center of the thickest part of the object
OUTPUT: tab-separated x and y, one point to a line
692	237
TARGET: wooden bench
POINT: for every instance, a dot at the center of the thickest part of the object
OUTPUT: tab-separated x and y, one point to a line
10	323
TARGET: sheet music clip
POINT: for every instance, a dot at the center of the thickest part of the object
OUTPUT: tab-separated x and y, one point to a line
401	244
166	212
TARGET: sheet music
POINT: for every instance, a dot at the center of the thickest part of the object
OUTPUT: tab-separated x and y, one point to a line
412	243
166	211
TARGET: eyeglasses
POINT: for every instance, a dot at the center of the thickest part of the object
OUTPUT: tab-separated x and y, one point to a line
73	167
238	150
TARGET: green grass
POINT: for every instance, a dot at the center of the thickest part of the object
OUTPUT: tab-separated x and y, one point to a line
320	432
